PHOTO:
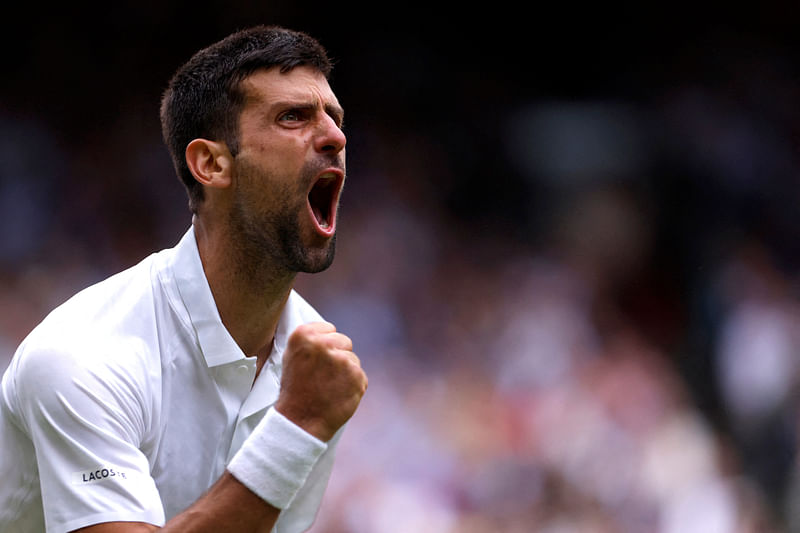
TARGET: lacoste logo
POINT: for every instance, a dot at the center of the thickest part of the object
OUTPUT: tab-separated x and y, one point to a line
98	474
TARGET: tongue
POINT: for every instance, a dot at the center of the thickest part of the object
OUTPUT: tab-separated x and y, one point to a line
320	219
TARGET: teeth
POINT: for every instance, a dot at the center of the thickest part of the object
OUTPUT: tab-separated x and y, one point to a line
323	223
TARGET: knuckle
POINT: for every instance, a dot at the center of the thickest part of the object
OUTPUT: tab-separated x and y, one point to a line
300	333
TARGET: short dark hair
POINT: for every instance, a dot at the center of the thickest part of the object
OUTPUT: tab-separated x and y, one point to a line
204	99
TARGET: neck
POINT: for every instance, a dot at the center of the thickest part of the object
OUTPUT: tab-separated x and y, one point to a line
249	299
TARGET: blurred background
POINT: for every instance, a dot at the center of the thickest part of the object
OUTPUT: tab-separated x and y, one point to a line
568	250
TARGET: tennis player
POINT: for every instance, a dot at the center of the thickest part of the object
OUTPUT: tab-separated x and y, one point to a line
197	391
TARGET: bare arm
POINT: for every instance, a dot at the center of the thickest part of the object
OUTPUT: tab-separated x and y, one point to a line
228	506
321	388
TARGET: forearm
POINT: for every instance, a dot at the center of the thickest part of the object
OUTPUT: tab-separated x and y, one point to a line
227	507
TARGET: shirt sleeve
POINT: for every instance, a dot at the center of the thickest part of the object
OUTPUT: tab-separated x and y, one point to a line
86	411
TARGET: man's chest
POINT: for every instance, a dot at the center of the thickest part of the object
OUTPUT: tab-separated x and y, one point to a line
205	415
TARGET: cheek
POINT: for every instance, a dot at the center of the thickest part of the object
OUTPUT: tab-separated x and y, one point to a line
274	183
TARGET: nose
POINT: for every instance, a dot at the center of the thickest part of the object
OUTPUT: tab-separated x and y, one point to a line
331	139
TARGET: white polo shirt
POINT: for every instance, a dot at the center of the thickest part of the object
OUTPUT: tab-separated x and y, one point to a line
127	402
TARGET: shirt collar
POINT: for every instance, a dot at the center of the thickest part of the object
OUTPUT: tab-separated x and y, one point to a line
216	343
291	317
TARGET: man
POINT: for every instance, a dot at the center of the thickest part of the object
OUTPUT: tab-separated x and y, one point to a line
197	391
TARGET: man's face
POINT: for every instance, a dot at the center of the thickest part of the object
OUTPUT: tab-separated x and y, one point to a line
289	170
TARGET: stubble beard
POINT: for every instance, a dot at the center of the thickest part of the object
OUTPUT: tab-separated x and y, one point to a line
270	243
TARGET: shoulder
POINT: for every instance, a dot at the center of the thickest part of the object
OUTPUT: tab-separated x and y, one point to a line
56	356
118	309
97	343
65	379
102	325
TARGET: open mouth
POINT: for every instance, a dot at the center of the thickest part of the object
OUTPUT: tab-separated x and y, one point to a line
323	199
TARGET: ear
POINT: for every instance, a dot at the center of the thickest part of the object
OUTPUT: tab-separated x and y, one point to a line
210	162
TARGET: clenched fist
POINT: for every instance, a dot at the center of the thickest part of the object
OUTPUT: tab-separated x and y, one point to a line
322	382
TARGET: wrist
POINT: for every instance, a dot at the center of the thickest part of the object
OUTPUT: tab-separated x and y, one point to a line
316	427
276	459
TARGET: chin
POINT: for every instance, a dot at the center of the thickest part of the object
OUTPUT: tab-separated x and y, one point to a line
318	259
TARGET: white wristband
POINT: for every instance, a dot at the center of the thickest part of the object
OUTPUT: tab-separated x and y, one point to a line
276	459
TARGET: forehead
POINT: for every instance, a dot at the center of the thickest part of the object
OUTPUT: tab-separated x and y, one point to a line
302	84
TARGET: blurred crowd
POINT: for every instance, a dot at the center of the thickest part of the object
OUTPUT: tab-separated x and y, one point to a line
597	334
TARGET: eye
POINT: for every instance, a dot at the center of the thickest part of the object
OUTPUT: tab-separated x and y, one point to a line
290	116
